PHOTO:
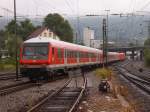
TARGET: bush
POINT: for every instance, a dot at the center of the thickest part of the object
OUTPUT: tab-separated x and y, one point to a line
103	73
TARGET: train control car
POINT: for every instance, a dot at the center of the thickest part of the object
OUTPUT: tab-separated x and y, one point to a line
42	56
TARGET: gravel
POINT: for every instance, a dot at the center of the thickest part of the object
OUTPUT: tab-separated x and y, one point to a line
137	97
22	100
4	83
135	66
97	101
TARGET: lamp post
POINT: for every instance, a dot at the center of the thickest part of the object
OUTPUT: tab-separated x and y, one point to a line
106	43
16	40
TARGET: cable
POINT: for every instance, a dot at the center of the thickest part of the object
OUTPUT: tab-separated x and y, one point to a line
69	6
48	3
10	11
146	5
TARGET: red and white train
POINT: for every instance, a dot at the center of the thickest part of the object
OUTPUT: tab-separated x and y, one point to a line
41	56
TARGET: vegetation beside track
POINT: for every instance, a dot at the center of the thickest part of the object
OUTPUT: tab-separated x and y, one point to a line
147	57
103	73
147	52
7	64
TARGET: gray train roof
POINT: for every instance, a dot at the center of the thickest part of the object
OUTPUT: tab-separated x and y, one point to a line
62	44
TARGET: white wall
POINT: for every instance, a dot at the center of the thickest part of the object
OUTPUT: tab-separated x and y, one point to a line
88	35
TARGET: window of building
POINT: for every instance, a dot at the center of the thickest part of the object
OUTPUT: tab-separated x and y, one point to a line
50	34
45	35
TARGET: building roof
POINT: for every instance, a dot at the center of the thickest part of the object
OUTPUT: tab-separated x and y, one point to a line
37	32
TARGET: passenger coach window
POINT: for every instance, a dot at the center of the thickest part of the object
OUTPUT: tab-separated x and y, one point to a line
59	53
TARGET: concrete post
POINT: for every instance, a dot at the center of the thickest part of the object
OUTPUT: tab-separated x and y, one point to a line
141	55
132	56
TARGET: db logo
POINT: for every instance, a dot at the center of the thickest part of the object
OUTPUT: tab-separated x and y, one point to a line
34	60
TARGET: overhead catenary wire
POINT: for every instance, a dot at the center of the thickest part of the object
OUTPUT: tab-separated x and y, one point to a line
10	11
68	4
145	6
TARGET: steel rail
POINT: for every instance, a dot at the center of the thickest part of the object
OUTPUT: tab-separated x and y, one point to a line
146	79
144	85
48	97
10	89
9	73
7	76
79	97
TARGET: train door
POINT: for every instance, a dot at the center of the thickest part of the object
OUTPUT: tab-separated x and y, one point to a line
60	56
53	55
65	56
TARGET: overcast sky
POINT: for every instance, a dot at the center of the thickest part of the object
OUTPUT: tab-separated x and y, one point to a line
73	7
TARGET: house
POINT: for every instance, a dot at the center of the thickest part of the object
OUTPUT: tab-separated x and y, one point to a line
43	32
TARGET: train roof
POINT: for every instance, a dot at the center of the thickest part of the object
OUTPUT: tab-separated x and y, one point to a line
62	44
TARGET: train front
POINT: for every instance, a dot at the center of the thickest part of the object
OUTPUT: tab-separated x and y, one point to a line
34	58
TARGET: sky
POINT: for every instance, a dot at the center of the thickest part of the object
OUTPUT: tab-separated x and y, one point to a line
72	7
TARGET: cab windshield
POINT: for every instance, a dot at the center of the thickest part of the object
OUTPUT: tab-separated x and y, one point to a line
35	51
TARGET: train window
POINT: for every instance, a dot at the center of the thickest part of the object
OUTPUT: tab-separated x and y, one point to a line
81	55
75	54
35	51
72	54
65	53
30	51
68	53
59	53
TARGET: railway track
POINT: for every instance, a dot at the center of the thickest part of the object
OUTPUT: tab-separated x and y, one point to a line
14	88
144	77
138	81
7	76
65	99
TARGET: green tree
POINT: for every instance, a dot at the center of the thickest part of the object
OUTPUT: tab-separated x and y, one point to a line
11	26
60	26
26	27
2	39
147	42
10	44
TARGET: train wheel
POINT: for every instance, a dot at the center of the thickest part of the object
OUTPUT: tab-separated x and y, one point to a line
50	76
32	79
